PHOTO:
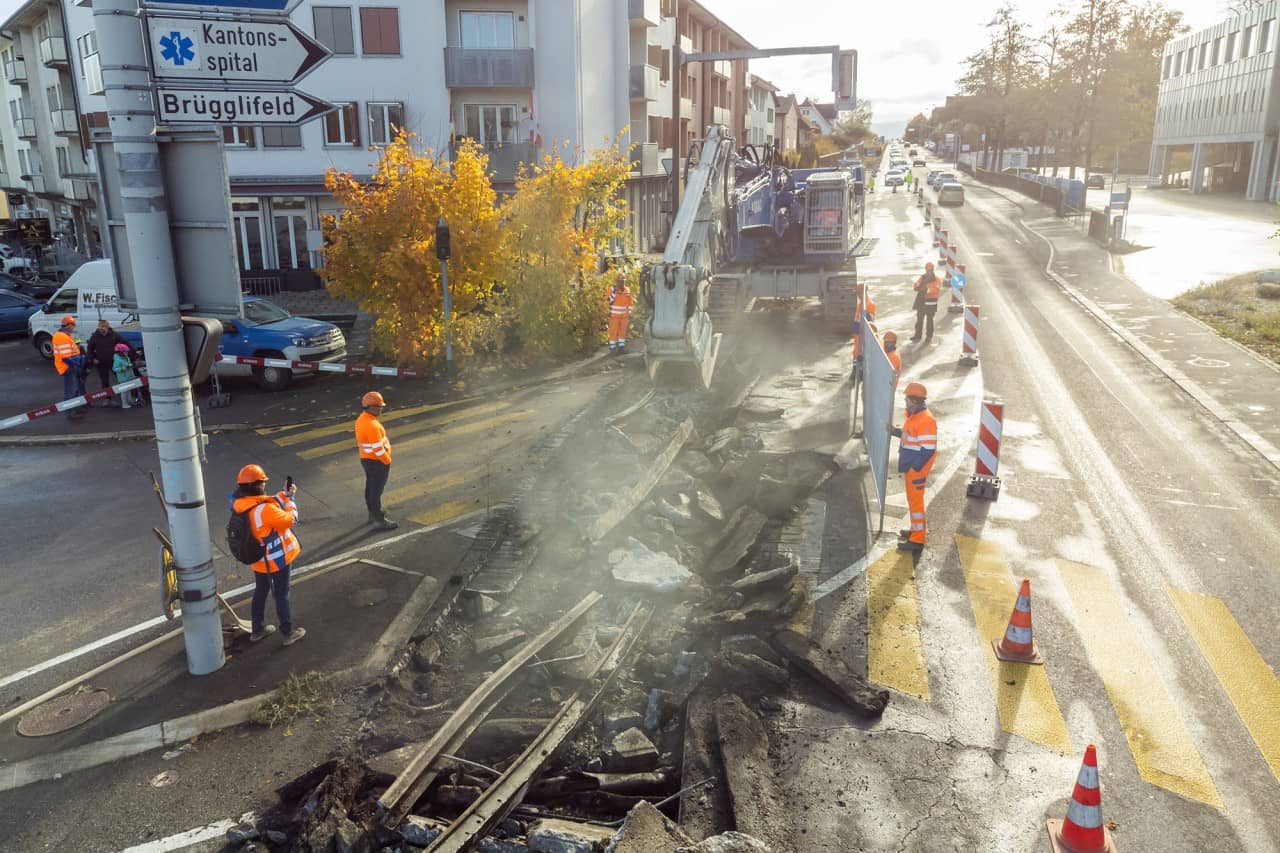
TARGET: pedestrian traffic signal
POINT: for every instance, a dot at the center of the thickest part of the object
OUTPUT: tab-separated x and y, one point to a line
442	239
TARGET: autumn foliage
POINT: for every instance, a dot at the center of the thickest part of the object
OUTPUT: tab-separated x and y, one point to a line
523	269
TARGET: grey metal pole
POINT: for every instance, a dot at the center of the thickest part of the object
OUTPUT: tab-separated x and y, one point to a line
131	118
677	77
448	310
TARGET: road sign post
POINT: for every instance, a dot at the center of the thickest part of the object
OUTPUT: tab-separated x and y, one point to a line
146	219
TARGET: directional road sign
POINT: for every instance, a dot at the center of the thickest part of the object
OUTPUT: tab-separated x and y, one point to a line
221	5
180	105
246	51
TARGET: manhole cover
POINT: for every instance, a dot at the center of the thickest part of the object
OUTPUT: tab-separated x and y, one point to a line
65	712
368	597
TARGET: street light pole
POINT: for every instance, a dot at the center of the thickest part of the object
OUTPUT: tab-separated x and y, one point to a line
132	120
442	253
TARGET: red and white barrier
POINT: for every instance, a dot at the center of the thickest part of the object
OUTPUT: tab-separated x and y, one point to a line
969	335
73	403
325	366
937	230
985	482
951	256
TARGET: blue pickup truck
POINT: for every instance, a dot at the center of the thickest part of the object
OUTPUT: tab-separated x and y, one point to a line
269	331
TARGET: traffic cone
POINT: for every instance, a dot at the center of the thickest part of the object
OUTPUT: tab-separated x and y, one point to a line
1082	831
1018	645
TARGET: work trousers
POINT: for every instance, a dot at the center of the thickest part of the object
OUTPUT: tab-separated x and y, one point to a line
375	480
618	330
276	583
915	504
924	318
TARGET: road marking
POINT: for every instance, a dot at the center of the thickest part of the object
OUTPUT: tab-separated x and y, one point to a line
1249	683
348	444
1024	696
448	480
183	840
895	650
467	429
1162	747
348	426
445	512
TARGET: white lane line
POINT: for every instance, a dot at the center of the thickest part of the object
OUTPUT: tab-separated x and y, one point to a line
125	633
191	836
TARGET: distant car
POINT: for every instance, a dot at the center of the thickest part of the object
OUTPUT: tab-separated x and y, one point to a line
932	176
913	152
14	311
893	178
919	161
37	289
1096	182
951	194
943	178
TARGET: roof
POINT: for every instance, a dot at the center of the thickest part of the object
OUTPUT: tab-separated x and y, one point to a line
703	13
757	80
27	14
785	103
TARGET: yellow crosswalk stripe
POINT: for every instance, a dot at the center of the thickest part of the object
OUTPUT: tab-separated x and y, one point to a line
1162	747
802	620
421	441
1249	683
453	509
348	425
276	430
895	650
348	444
439	483
1024	697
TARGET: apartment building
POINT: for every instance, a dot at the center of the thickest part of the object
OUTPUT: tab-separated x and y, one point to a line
822	117
522	77
1217	112
761	111
786	122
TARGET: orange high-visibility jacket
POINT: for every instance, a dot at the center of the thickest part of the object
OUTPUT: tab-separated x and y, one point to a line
620	301
867	312
932	288
918	446
271	518
64	347
895	359
371	439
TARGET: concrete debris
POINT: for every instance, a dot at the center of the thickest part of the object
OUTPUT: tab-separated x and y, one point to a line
750	644
550	835
501	845
457	796
827	668
723	440
684	663
736	541
322	822
652	782
705	810
636	565
680	514
620	721
744	749
707	504
631	752
477	605
426	654
697	463
647	830
760	409
673	485
757	581
495	643
241	833
749	673
421	831
729	842
771	606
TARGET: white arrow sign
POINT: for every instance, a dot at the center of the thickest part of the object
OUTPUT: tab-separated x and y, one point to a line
176	105
241	51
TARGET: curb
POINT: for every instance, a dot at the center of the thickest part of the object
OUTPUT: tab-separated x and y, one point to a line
71	439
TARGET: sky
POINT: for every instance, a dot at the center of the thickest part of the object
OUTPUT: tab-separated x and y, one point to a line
908	56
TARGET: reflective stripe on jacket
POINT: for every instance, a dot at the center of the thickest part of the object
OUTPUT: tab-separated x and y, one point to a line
64	347
620	301
918	446
271	518
371	439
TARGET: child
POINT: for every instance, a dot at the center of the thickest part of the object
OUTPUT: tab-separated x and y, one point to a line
122	367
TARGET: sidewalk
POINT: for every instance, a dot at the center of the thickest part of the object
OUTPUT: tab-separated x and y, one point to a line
1239	388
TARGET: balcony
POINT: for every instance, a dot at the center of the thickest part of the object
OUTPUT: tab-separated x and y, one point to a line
25	128
645	13
686	108
64	122
469	68
15	71
644	83
646	159
53	52
75	190
721	115
686	45
35	183
505	159
722	67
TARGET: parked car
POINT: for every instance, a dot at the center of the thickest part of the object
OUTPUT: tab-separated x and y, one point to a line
943	178
894	178
38	290
1096	182
15	310
919	161
269	331
951	194
932	176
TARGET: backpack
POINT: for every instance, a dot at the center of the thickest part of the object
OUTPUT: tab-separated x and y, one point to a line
241	542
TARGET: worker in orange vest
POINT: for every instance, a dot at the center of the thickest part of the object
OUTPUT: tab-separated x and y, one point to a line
927	288
890	341
375	458
620	302
864	312
69	363
917	450
271	520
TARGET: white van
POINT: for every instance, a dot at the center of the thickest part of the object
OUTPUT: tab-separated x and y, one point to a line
89	296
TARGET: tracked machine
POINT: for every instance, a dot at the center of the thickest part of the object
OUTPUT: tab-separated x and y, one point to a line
750	228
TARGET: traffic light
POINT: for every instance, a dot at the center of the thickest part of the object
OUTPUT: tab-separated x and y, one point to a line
442	239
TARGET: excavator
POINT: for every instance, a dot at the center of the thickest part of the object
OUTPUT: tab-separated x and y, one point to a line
748	227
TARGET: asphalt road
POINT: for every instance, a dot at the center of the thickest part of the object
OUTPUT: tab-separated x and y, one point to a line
1149	534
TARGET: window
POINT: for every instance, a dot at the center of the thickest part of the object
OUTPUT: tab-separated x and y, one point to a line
1264	37
1246	41
281	137
490	124
29	162
54	96
247	226
289	215
341	128
333	29
1215	52
239	136
65	301
385	121
87	44
1177	64
1204	56
1229	54
380	31
1168	63
90	64
64	162
768	115
488	30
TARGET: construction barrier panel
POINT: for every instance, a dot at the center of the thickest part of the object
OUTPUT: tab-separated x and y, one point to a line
73	403
969	335
985	482
880	382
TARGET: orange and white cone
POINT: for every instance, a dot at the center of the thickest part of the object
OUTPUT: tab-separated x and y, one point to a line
1018	645
1083	830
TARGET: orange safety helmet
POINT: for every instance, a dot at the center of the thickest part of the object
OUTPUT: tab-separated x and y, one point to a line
251	474
915	389
890	336
68	320
372	398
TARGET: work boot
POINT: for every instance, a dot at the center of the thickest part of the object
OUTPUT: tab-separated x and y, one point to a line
374	518
267	631
915	339
294	636
384	523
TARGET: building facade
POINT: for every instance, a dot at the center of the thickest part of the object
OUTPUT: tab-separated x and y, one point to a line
761	111
1217	114
822	117
786	122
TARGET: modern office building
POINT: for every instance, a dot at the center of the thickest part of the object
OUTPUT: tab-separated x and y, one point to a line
1218	115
